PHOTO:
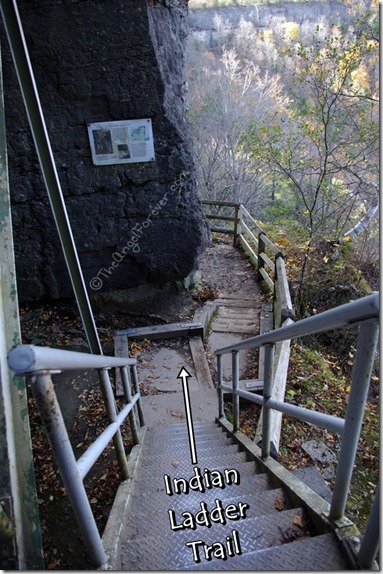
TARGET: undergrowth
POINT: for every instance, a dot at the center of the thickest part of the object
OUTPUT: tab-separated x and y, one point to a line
316	381
320	366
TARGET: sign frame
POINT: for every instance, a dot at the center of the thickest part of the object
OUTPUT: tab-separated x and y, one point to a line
121	142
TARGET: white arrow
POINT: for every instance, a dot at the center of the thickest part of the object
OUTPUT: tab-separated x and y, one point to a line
184	375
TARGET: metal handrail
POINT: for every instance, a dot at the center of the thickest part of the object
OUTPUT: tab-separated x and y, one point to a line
29	359
363	313
40	363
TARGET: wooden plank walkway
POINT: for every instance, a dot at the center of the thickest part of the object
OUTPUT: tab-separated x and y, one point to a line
237	318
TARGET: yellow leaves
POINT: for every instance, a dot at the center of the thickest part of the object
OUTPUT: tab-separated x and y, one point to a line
346	238
135	349
298	521
291	30
282	241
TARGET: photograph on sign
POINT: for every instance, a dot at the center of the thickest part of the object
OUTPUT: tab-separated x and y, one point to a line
128	141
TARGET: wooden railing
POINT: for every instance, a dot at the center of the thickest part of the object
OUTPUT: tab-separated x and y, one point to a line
223	211
266	257
269	263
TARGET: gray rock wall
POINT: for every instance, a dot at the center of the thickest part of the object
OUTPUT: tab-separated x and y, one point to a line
133	223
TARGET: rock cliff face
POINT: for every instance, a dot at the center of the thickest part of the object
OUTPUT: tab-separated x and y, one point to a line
203	21
98	61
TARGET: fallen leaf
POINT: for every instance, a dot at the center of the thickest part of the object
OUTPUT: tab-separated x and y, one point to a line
298	521
279	504
52	565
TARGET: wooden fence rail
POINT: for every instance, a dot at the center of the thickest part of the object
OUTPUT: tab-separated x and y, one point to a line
270	267
214	212
267	258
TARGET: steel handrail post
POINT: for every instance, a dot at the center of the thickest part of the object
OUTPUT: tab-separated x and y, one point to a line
235	372
50	412
128	397
112	417
136	384
267	392
370	542
361	375
221	410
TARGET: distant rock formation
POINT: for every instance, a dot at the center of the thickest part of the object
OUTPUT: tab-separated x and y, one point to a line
136	223
203	20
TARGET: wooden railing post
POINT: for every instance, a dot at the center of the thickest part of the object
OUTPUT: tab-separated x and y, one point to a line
237	229
261	249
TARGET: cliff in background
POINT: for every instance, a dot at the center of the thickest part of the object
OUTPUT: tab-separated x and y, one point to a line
97	62
203	21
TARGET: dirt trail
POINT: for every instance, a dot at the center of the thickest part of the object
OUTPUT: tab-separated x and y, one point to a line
228	269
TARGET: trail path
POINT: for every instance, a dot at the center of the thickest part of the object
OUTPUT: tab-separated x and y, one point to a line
225	272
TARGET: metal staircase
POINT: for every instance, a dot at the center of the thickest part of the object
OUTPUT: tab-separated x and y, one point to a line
225	504
252	526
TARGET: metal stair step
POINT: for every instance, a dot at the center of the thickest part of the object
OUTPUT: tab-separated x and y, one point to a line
181	460
182	452
154	507
247	468
179	432
199	426
173	554
319	553
202	443
150	485
202	440
148	482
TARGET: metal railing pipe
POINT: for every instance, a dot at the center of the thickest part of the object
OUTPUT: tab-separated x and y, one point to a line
50	412
112	416
29	359
221	410
370	542
136	386
89	457
267	390
322	420
128	397
235	367
329	422
342	316
361	376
